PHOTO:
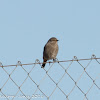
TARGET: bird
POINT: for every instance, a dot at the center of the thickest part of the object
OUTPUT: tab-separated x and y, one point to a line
50	50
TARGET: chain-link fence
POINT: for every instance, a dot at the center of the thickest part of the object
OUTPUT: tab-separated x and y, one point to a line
76	79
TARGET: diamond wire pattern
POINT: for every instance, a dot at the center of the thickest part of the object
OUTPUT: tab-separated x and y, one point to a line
56	83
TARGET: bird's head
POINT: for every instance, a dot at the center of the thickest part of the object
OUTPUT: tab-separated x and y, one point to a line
53	39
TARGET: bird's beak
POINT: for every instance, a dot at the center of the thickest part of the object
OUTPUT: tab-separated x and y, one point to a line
57	40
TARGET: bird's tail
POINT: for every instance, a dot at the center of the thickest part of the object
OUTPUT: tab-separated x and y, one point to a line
44	63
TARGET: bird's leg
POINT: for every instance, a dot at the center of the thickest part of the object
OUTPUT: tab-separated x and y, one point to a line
54	60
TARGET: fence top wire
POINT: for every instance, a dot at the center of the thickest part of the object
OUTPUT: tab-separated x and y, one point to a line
38	62
38	84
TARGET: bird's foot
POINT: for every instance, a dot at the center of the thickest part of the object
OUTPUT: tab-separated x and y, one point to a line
54	60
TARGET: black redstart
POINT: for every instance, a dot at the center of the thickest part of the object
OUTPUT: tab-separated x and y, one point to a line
50	50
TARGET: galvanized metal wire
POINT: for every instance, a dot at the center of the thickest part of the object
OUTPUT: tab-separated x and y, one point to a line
69	79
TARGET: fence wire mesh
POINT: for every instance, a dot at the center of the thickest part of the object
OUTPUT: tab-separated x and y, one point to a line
76	79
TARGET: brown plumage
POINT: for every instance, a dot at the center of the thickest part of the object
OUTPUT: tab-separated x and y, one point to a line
50	50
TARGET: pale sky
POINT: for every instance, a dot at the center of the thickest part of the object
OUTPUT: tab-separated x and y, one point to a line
26	25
